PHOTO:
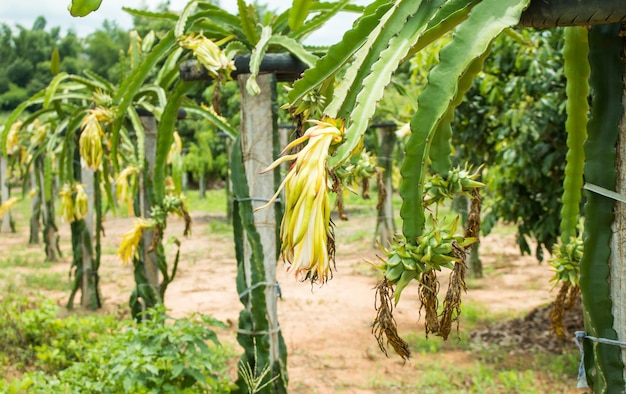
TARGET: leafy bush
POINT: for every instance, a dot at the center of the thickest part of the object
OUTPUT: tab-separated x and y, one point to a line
32	334
13	97
160	355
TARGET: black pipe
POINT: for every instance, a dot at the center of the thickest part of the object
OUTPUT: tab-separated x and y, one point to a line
285	66
552	13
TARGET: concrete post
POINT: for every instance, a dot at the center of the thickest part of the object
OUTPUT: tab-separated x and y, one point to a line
4	192
257	145
618	241
88	180
385	226
149	257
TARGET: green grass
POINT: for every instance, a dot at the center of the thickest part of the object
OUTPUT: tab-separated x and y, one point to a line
214	203
42	280
219	227
19	258
473	316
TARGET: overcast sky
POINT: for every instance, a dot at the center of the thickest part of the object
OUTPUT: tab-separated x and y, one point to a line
24	12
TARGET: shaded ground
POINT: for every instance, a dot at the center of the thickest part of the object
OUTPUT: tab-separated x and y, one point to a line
327	329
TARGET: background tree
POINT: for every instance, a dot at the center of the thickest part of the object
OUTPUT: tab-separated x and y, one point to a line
513	121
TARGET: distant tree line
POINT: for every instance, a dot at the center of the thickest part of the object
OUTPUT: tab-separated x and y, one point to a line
25	56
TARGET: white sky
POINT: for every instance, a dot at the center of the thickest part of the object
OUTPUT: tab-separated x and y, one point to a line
24	12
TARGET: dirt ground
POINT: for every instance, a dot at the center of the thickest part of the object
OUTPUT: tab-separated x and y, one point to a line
326	329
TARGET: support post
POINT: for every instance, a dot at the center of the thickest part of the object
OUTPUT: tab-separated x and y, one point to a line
87	286
385	226
4	192
258	122
151	267
35	208
618	241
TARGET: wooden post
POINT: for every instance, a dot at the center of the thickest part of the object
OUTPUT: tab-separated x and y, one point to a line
257	146
151	266
4	192
185	178
35	208
88	180
618	240
385	226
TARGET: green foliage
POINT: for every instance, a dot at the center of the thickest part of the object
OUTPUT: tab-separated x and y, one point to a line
33	335
199	159
104	48
13	97
98	354
25	59
513	121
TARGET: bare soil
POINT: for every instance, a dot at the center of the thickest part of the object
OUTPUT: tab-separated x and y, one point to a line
327	329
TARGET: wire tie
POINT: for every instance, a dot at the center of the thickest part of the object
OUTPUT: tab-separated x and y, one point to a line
581	335
259	284
265	332
261	199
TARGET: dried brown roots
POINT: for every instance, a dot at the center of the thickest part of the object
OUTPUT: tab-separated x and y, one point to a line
384	325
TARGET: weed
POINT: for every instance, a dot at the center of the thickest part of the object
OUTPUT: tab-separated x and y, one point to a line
43	280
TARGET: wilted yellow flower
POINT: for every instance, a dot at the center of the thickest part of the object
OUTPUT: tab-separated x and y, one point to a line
208	54
39	132
177	147
91	140
81	203
122	187
12	144
74	206
130	240
67	204
6	205
306	232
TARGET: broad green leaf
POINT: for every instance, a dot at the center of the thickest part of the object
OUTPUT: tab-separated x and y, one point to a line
179	29
451	14
220	24
604	365
134	49
52	87
248	20
441	145
391	24
129	87
377	70
339	54
83	7
157	91
235	48
140	135
472	38
295	48
256	58
151	15
218	121
165	135
94	81
14	116
169	67
298	13
318	20
576	67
